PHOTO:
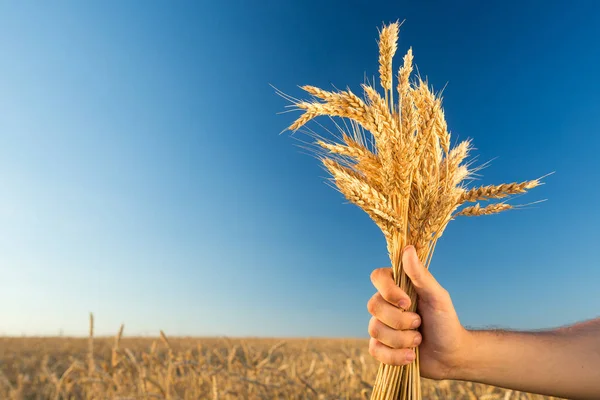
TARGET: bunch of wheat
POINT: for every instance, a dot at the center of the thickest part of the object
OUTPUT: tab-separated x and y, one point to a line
395	162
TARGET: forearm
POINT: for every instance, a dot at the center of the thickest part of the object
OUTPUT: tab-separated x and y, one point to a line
564	362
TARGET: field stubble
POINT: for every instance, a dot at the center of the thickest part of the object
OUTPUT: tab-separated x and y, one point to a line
203	368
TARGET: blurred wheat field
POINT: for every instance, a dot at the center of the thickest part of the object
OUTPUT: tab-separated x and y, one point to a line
203	368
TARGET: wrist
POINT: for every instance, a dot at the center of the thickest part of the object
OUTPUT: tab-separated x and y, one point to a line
462	362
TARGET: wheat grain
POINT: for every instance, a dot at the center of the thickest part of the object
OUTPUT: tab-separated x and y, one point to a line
354	187
319	93
388	39
340	104
477	210
404	75
498	191
352	150
386	139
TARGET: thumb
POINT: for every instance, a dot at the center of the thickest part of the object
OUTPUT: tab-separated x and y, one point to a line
425	284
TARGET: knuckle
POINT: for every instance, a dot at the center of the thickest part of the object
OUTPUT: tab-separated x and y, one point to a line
372	352
379	274
373	348
373	329
375	274
373	305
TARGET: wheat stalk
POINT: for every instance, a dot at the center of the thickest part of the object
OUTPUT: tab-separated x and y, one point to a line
115	349
410	182
91	364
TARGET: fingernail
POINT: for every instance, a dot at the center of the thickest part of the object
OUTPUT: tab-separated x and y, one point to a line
416	323
407	247
418	340
410	357
404	303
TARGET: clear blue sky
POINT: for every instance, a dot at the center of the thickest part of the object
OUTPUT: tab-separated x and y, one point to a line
143	177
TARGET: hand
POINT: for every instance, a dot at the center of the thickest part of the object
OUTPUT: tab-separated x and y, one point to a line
441	337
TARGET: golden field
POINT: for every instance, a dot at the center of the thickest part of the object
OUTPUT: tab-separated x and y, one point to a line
203	368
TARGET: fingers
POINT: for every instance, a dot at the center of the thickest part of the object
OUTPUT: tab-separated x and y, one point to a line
392	329
390	356
392	338
390	315
425	284
383	280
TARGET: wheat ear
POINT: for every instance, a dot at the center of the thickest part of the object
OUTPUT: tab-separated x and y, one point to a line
498	191
358	191
477	210
388	44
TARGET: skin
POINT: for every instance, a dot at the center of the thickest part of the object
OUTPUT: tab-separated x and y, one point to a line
563	362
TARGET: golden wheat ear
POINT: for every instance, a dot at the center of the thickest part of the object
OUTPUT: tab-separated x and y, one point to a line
388	44
356	188
477	210
498	191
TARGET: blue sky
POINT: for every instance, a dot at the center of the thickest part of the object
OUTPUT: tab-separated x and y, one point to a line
143	177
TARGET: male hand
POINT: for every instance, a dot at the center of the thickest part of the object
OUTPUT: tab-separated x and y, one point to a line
441	337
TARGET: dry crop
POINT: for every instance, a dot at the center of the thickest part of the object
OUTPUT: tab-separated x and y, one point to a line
205	369
394	160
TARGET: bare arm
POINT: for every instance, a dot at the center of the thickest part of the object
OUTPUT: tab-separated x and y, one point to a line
563	362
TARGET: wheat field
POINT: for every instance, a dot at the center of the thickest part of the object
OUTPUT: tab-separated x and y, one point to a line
124	367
